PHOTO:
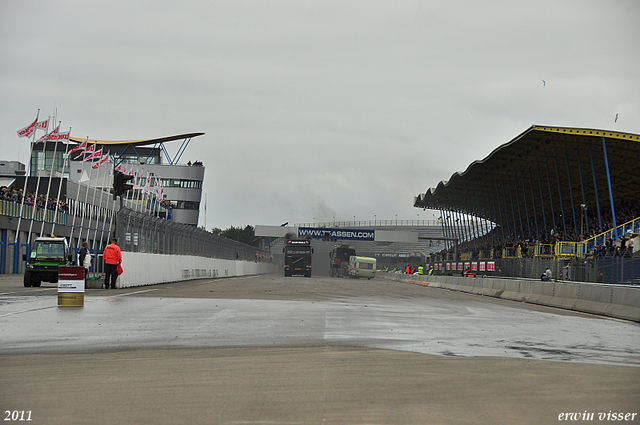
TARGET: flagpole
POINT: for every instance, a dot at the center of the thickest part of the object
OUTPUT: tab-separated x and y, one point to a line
73	223
26	178
113	207
53	162
95	189
95	234
35	200
64	163
86	195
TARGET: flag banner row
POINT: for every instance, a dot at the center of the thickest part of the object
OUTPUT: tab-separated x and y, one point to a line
54	136
31	128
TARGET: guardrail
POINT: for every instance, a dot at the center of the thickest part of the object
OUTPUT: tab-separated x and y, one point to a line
12	209
622	302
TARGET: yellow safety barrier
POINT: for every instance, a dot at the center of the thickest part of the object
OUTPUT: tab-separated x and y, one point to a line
512	252
544	251
566	249
486	254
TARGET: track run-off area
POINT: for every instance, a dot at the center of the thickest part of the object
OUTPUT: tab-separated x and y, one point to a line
269	349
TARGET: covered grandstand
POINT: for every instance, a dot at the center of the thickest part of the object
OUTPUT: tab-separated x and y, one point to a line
568	196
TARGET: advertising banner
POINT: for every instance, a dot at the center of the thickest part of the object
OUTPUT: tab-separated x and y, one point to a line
344	234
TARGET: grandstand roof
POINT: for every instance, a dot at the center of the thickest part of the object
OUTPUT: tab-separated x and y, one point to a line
512	170
144	142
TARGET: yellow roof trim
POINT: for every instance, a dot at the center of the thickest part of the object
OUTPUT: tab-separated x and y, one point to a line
589	132
137	142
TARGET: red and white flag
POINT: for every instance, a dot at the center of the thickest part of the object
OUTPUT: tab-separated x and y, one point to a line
63	136
104	159
96	154
147	185
53	135
28	130
159	188
43	125
81	147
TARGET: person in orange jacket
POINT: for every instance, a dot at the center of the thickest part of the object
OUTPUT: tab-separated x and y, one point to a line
112	256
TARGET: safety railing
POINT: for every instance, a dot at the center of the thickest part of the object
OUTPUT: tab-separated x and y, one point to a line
12	209
512	252
566	249
466	256
632	226
544	251
485	255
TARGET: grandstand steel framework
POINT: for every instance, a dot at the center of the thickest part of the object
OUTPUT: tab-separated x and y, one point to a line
543	174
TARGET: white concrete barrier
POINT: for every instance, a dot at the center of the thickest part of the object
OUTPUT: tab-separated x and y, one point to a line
149	269
618	301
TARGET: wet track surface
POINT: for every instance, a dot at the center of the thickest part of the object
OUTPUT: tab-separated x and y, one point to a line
273	311
275	350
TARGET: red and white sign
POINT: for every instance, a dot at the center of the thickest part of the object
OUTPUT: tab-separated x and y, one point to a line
474	267
70	279
491	266
482	266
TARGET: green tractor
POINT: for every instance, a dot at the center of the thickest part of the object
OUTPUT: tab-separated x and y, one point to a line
47	254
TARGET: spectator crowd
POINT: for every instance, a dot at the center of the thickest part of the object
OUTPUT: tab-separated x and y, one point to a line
12	194
626	210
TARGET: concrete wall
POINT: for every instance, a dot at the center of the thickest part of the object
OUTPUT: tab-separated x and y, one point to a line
149	269
622	302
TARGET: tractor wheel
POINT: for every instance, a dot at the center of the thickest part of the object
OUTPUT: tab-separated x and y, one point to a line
27	279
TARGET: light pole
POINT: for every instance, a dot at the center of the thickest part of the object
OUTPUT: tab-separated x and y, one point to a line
584	212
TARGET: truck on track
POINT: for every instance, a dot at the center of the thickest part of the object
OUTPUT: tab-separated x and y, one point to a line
339	260
297	257
42	262
362	267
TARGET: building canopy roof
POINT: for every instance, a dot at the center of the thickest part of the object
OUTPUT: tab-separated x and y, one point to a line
540	168
144	142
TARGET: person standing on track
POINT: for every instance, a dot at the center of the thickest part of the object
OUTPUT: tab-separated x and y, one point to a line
112	256
84	259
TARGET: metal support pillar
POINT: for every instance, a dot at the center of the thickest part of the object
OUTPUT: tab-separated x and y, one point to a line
515	182
613	210
583	207
495	213
544	214
526	207
595	189
553	214
573	207
506	208
564	221
535	211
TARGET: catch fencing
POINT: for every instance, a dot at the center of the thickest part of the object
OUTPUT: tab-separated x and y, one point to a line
615	269
141	232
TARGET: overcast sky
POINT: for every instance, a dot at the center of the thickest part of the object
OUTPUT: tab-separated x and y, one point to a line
318	109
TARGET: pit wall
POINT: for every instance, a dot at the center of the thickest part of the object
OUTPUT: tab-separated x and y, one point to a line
622	302
142	269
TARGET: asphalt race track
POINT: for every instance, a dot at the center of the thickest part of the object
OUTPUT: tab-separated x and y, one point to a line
276	350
